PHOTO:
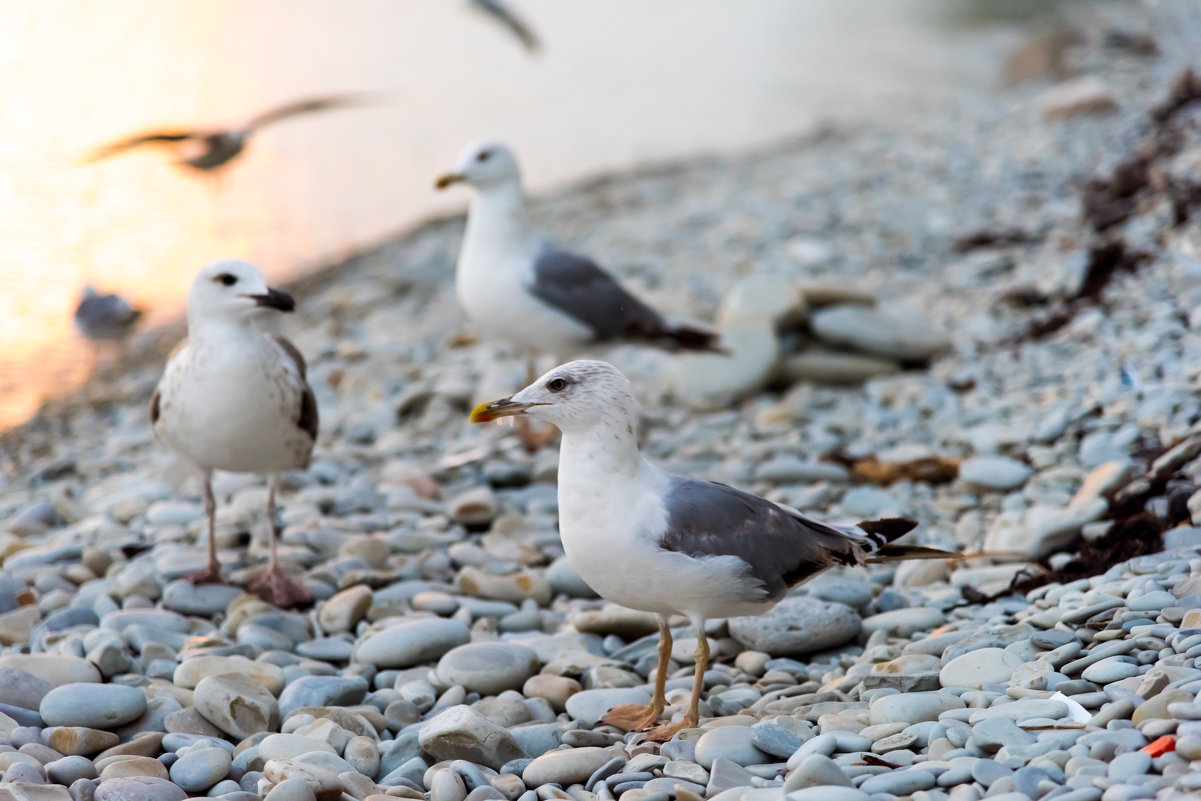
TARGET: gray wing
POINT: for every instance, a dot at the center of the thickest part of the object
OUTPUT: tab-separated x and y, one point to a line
580	289
781	547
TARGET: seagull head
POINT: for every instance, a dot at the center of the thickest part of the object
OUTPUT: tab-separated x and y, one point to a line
482	165
574	397
233	289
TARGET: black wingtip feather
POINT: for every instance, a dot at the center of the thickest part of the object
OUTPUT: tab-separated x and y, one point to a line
686	337
890	528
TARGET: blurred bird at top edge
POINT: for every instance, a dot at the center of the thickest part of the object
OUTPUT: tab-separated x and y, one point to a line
504	15
209	149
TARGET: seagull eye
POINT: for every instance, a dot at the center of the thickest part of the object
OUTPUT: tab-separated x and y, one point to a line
556	385
226	279
483	156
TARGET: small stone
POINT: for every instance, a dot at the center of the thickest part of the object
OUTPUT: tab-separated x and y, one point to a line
714	381
1087	94
473	507
134	766
513	587
488	668
571	766
139	788
899	782
816	770
903	622
291	790
885	331
79	740
911	707
564	580
1110	669
195	668
23	689
200	768
1129	765
345	690
345	609
66	770
589	706
95	706
236	704
797	626
53	669
729	742
998	473
462	733
411	642
198	599
290	746
555	689
977	668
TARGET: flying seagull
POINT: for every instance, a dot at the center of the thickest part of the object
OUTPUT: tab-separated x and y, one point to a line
541	299
104	318
669	544
209	149
234	398
504	15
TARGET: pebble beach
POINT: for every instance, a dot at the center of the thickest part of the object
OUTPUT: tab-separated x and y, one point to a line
984	319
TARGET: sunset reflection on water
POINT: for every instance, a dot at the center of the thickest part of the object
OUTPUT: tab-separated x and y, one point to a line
620	82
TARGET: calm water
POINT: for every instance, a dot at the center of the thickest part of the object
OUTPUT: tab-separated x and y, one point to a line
620	82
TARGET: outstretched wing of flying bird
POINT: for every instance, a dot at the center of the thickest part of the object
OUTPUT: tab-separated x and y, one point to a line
150	138
309	106
505	16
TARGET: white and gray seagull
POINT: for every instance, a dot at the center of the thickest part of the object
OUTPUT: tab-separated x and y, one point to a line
235	398
517	288
647	539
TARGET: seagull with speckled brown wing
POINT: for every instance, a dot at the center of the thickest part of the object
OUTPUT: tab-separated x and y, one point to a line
235	398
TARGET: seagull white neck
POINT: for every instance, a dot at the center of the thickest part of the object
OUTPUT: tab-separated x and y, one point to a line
608	450
219	332
497	215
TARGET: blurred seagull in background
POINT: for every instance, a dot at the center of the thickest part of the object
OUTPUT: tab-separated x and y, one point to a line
208	150
104	318
498	11
516	287
668	544
234	398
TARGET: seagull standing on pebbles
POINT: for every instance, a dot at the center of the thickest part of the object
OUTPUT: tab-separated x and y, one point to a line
517	288
673	545
234	398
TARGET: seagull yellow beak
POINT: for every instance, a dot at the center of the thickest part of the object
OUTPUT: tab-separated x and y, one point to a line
450	179
505	407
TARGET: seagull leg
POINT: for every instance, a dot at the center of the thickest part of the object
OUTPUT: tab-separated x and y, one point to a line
634	717
212	573
272	584
531	440
692	717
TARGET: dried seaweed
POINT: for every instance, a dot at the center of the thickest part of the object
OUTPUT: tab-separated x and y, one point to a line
993	237
929	469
